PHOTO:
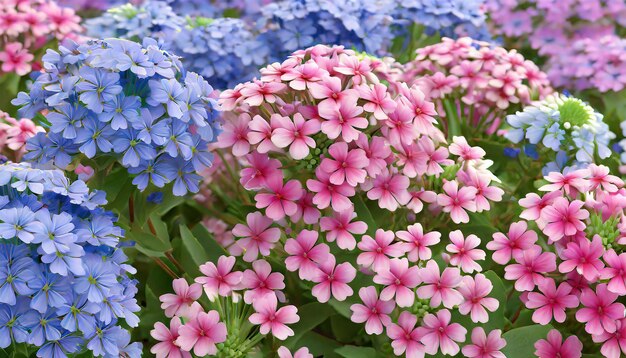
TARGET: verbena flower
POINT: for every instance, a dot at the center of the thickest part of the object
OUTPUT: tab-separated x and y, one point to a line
134	103
57	281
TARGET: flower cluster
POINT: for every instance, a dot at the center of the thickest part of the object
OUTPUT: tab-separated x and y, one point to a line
569	130
14	134
473	81
118	99
245	9
90	5
64	284
26	26
566	257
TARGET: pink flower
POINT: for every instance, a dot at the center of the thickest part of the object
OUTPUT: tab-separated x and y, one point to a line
400	128
307	211
534	204
599	311
329	89
339	227
377	151
584	256
456	201
517	241
390	190
352	66
304	255
485	346
345	165
177	304
235	135
262	169
405	337
484	192
257	92
272	320
422	109
599	177
461	148
219	280
464	252
328	193
416	204
378	100
333	279
16	59
437	333
563	218
281	199
417	242
571	183
530	266
342	119
261	281
614	342
257	236
301	76
260	133
551	301
296	135
475	300
375	251
615	272
303	352
167	337
440	288
374	311
202	333
399	281
554	347
436	157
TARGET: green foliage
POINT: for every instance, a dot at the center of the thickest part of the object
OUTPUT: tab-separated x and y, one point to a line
521	341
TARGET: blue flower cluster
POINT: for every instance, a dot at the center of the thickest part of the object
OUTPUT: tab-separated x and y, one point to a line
563	125
245	9
118	99
64	284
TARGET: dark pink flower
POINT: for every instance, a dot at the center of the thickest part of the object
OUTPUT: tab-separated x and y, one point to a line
400	281
304	255
202	333
390	190
257	236
178	303
555	347
516	241
485	346
341	228
329	194
551	301
345	165
260	171
405	337
563	218
280	201
333	280
584	256
379	101
167	346
614	343
261	281
376	251
599	311
615	272
529	267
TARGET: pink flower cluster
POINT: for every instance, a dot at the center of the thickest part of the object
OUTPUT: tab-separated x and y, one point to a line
580	266
473	80
28	25
14	133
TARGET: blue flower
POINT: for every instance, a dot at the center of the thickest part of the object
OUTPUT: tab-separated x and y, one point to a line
170	93
105	340
11	327
134	149
43	326
156	197
14	278
17	222
49	291
97	280
121	111
97	87
60	348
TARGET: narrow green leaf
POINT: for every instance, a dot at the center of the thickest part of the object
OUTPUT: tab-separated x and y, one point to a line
520	342
311	315
195	250
356	352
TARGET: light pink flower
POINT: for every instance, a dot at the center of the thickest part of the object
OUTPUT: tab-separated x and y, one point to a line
345	165
614	342
534	204
599	177
440	287
571	183
615	272
422	109
333	280
529	267
257	236
555	347
260	133
280	201
257	92
235	135
461	148
352	66
379	101
516	241
304	255
295	134
343	119
563	218
376	251
456	201
400	281
307	211
329	194
417	242
485	346
303	352
484	192
341	228
219	280
399	128
551	301
475	301
377	151
301	76
437	333
599	311
167	347
272	320
416	204
16	59
464	252
390	190
436	156
405	337
374	311
584	256
202	333
329	89
178	303
261	281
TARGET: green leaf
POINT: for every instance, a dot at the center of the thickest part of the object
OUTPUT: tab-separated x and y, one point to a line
343	329
319	345
364	214
311	315
356	352
496	319
211	247
148	244
520	342
194	249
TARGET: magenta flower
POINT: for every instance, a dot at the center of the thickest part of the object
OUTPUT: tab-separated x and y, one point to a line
343	119
178	303
15	58
400	128
333	280
219	280
584	256
262	170
599	311
440	288
202	333
304	255
475	301
456	201
376	251
280	201
529	267
390	190
464	252
551	301
554	346
307	211
257	237
400	281
614	342
563	218
296	135
341	228
272	320
513	244
374	311
261	281
303	352
437	333
345	165
167	346
328	194
405	337
615	272
417	242
485	346
254	93
235	135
